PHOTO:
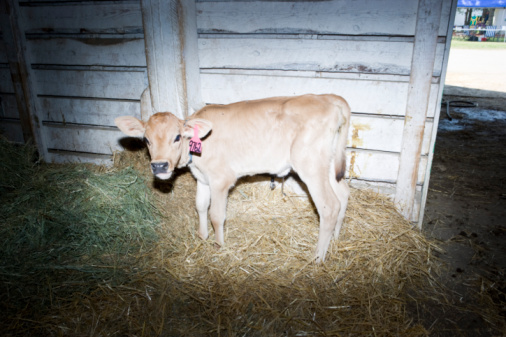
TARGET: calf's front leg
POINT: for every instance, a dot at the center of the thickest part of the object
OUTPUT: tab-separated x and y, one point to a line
217	212
202	200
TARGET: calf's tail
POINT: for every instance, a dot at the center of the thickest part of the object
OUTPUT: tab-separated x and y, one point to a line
342	138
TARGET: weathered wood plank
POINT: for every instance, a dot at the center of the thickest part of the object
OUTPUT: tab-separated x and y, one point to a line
6	86
311	74
98	84
371	17
374	97
306	54
3	52
446	21
8	106
22	75
387	189
382	134
434	99
66	157
111	52
376	166
437	99
382	97
170	30
427	136
427	26
80	138
324	17
329	17
87	111
381	187
11	129
81	17
380	57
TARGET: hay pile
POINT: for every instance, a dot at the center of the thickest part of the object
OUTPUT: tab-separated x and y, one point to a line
173	283
263	281
65	230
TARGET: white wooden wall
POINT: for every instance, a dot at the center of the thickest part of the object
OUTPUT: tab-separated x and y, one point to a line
89	64
361	50
89	67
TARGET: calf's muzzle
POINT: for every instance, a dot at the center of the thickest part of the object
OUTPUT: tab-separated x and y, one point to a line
158	168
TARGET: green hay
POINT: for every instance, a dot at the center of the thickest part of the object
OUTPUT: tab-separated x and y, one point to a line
68	225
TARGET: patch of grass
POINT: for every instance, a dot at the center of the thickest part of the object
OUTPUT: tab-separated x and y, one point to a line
463	44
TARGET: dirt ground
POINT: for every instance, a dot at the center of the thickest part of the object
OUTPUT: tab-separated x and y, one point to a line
483	69
466	204
466	211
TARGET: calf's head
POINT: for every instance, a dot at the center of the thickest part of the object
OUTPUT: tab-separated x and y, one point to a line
167	138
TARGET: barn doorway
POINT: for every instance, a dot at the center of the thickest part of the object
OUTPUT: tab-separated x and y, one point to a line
466	201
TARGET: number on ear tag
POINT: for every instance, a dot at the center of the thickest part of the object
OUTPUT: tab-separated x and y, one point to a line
195	142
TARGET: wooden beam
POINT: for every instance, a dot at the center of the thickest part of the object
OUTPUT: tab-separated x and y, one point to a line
170	35
422	65
444	67
146	106
21	74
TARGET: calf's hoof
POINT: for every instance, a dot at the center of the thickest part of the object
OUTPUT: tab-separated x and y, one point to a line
318	260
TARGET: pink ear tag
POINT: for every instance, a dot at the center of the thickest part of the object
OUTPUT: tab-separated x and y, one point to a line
195	142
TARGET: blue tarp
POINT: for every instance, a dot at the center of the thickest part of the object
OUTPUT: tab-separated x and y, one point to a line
482	3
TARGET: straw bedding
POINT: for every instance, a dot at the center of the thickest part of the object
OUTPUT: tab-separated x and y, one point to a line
135	266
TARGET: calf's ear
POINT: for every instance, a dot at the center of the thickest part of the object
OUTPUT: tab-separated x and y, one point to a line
130	126
204	127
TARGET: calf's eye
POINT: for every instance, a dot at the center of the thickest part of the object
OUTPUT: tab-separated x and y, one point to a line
146	140
178	138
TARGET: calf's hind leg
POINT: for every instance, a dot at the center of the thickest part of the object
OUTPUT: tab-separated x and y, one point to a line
342	191
327	204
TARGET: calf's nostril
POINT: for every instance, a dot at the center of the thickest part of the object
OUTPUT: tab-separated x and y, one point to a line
160	167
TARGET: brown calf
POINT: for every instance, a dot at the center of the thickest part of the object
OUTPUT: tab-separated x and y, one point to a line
306	134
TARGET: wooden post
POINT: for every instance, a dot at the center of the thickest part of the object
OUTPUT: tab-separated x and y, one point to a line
446	56
170	34
422	65
21	74
146	107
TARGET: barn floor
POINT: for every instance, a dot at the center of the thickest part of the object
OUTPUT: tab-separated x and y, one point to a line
466	208
142	291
